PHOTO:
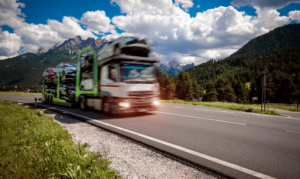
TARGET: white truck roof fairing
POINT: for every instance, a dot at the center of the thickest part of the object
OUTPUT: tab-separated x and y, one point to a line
123	57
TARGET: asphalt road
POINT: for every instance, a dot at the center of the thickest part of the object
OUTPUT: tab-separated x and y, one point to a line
234	143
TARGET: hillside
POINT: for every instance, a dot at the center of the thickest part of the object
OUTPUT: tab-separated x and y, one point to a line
27	69
276	55
285	37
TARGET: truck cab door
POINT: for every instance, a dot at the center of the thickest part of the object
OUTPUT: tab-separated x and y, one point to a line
110	79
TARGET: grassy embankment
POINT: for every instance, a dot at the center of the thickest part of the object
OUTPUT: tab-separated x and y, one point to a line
32	145
284	107
20	93
223	105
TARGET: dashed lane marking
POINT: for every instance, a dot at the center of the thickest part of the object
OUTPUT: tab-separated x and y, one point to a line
293	131
202	118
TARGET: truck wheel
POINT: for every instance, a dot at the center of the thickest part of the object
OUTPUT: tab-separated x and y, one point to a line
82	103
106	107
51	100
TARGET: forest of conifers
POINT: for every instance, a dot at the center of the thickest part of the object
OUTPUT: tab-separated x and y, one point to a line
237	79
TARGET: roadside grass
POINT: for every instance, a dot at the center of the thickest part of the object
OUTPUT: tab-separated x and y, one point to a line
288	108
20	93
223	105
32	145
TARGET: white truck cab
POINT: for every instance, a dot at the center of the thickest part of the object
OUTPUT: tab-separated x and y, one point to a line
125	84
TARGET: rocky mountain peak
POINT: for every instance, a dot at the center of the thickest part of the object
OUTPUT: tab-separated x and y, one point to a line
56	45
173	68
174	64
78	39
41	50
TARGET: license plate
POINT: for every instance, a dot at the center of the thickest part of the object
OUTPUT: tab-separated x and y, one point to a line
140	110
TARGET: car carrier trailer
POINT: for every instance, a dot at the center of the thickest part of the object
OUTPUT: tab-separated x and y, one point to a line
116	84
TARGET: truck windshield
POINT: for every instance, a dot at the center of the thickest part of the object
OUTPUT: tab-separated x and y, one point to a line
137	72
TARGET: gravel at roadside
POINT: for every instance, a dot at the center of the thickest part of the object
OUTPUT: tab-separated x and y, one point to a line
132	160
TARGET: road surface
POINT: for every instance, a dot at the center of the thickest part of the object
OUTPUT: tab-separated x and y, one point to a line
234	143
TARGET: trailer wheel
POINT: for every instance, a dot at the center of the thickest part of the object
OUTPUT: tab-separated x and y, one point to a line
106	107
46	99
82	103
51	100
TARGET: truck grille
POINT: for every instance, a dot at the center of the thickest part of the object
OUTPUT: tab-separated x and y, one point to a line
141	98
141	93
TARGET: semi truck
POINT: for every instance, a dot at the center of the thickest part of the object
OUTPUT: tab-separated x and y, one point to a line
116	84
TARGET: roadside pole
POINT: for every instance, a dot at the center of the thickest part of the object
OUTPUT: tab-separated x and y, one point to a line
262	93
297	88
265	86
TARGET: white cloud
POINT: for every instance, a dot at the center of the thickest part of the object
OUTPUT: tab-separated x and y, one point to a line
144	6
264	4
295	15
198	6
185	4
10	44
97	21
238	3
10	13
215	33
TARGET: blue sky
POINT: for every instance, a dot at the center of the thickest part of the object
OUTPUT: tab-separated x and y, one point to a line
182	30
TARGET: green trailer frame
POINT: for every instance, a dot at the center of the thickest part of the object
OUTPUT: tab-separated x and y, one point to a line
50	98
93	92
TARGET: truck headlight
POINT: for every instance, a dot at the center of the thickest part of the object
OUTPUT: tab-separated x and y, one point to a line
156	103
124	104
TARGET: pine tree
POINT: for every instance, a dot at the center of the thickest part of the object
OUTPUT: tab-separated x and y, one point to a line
211	93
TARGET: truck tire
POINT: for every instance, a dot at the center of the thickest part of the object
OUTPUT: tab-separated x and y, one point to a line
46	99
82	103
106	107
51	100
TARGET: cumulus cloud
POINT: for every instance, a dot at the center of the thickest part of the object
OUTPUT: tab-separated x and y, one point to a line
295	15
10	43
261	4
97	21
144	6
217	32
185	4
238	3
10	13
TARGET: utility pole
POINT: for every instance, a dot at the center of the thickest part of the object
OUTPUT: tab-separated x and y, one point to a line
263	92
297	88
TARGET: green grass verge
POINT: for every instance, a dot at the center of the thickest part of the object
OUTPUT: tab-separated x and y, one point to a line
288	108
32	145
223	105
20	93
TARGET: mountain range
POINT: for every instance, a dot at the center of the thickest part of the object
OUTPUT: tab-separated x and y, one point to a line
276	50
73	45
173	68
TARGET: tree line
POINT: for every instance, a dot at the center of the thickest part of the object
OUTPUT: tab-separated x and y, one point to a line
237	79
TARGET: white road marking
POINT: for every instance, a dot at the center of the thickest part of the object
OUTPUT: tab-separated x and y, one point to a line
224	163
202	118
213	110
178	107
293	131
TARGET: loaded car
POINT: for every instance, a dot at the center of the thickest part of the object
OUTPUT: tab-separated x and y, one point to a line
49	74
67	71
134	46
67	93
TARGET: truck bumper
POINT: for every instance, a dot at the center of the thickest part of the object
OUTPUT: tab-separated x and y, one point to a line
119	110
